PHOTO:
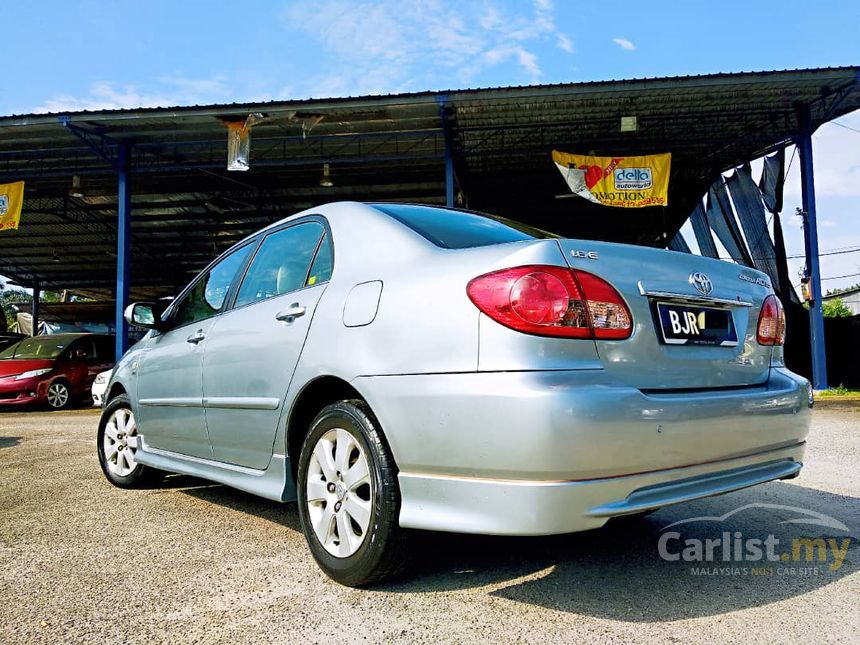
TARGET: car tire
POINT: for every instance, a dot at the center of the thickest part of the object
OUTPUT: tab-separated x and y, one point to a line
116	457
59	394
350	521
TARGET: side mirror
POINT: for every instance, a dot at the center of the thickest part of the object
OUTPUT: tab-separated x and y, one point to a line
143	314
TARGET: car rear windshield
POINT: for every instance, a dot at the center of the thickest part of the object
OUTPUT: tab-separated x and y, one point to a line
44	347
455	229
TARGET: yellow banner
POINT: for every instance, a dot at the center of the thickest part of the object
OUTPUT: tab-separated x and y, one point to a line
11	201
628	182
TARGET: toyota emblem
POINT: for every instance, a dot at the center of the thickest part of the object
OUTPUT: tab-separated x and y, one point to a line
701	282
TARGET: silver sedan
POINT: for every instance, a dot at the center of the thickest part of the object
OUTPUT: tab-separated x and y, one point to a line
395	366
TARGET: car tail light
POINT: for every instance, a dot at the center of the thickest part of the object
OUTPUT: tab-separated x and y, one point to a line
552	301
771	322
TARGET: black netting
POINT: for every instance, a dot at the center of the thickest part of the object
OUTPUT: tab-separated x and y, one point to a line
702	230
721	217
678	243
773	180
749	209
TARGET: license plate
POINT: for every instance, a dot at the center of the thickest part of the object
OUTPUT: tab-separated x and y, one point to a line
691	325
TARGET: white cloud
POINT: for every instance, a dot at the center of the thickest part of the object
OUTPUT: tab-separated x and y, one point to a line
391	46
835	159
624	44
564	43
166	91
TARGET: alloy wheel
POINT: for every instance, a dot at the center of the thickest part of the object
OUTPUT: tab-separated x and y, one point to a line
58	395
339	493
119	455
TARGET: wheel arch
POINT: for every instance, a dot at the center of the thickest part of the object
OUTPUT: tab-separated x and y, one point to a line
313	397
115	390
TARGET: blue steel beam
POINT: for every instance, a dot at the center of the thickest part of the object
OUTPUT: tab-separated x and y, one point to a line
810	231
123	246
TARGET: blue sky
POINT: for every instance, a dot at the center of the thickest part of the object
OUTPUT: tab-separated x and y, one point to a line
131	53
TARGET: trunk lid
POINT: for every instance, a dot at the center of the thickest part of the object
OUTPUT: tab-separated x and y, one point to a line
645	277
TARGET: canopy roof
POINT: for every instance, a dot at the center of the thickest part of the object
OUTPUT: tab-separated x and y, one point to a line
186	207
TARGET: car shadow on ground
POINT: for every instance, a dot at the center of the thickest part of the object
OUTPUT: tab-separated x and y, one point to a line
9	442
237	500
616	572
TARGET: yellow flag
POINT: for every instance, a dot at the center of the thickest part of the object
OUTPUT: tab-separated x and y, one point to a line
11	200
628	182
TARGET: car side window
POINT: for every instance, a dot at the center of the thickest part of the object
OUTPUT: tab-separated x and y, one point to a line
208	294
83	345
104	347
281	264
322	264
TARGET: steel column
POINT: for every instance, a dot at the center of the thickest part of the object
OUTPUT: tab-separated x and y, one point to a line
123	244
810	232
37	294
449	174
442	100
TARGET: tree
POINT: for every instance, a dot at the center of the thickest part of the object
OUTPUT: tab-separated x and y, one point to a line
835	309
12	299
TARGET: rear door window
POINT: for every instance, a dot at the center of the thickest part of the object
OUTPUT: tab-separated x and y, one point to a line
322	264
105	348
282	263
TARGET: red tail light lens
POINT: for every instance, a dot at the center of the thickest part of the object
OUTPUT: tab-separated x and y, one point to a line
771	322
552	301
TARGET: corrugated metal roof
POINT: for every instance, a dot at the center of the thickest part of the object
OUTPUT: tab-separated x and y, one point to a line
623	84
187	208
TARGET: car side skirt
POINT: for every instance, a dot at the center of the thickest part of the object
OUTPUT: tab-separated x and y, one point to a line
275	482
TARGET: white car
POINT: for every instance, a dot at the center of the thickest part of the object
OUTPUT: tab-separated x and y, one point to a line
100	386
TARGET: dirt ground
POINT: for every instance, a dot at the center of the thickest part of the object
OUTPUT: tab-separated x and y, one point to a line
191	561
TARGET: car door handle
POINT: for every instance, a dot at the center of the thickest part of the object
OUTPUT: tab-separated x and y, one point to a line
290	314
196	338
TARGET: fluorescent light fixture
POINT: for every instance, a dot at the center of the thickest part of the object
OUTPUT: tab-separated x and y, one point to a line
326	180
629	124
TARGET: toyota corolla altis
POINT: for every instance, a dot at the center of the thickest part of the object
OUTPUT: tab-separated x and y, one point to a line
394	366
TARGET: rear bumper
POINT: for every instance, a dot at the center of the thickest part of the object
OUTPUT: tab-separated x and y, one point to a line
508	507
534	453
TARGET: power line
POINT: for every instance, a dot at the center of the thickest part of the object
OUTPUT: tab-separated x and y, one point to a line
823	253
847	127
841	251
834	277
839	277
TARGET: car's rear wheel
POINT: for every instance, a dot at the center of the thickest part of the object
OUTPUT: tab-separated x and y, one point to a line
117	446
349	500
59	395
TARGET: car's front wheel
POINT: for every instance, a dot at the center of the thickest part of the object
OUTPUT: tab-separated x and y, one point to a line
117	445
59	395
349	500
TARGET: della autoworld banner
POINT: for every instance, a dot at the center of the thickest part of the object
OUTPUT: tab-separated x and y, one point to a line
11	200
628	182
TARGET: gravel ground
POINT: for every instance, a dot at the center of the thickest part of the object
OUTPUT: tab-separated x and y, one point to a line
81	560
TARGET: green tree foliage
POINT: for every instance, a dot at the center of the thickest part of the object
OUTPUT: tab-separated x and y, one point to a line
12	299
835	309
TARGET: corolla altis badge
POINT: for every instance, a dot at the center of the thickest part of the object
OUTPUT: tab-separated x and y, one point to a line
701	282
589	255
754	280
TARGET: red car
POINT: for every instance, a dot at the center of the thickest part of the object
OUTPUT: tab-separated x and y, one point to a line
57	369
